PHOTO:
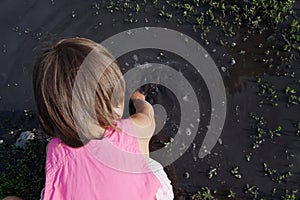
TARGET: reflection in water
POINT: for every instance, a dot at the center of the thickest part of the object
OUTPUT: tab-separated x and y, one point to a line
252	55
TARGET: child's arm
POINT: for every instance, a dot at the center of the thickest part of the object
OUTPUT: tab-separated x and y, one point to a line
143	120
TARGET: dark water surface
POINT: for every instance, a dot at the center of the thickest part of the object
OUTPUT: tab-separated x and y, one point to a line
28	26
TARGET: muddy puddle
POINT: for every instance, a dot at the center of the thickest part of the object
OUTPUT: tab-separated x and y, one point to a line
250	65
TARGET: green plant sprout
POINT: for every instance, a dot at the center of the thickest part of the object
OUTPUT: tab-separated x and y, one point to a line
252	190
204	194
235	172
24	170
289	195
212	172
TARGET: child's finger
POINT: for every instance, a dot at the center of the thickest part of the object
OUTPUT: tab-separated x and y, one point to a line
137	95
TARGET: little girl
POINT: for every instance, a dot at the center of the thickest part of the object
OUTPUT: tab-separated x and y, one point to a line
94	154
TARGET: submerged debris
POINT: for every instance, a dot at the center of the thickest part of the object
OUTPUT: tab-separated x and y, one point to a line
24	136
223	69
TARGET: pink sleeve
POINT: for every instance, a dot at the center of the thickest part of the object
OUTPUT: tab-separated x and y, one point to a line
54	170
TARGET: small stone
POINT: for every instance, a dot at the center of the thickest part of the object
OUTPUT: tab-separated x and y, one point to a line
186	39
135	58
171	139
24	136
1	141
185	98
162	54
233	61
220	141
223	69
233	44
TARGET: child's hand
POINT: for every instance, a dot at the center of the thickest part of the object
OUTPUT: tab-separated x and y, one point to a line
143	120
137	95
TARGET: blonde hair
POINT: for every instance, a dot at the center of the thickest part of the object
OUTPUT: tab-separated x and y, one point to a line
54	79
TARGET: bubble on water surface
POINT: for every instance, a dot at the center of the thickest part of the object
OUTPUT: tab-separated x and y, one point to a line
188	131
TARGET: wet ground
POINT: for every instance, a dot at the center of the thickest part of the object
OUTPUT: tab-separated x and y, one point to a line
28	26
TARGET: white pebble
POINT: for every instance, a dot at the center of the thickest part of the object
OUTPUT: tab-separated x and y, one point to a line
233	61
135	58
220	141
185	98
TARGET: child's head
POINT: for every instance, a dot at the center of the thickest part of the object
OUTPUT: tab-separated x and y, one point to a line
64	67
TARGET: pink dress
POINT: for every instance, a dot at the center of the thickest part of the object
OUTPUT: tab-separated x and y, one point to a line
109	169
